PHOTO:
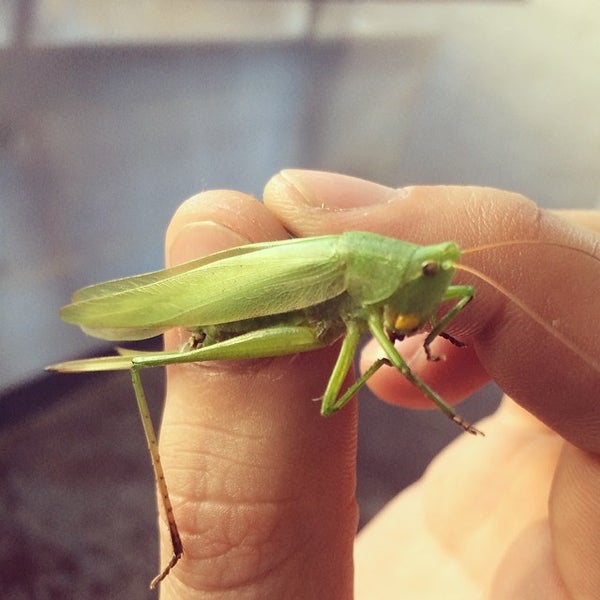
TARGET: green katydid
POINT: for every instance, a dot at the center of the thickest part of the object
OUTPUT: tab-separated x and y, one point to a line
278	298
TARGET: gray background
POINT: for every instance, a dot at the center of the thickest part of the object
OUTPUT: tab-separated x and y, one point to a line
112	113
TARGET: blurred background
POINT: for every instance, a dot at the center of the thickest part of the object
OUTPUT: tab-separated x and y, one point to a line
112	113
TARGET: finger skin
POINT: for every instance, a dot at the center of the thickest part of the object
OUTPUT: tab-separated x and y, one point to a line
475	526
262	485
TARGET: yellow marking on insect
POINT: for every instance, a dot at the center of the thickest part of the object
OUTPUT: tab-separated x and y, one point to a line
407	322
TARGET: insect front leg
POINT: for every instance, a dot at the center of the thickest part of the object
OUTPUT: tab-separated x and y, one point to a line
452	339
464	294
397	361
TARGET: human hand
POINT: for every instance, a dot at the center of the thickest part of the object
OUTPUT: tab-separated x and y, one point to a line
263	486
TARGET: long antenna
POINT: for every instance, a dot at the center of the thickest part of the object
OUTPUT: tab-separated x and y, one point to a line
590	360
493	245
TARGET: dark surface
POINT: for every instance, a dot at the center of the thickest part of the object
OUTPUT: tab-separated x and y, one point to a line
78	517
78	513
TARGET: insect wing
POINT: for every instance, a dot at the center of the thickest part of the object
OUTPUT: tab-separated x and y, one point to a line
80	311
114	286
247	282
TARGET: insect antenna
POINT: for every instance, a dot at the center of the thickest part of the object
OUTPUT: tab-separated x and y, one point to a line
505	243
539	319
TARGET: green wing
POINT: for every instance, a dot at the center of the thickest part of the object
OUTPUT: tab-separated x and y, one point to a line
108	288
242	283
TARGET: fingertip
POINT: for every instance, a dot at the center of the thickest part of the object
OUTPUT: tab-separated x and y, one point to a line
316	202
331	191
200	238
216	220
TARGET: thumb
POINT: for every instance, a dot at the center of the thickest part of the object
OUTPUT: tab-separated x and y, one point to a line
262	485
533	325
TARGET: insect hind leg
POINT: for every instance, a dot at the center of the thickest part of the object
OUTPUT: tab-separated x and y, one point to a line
159	475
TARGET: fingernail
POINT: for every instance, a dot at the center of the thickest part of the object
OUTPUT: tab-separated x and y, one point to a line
201	238
334	191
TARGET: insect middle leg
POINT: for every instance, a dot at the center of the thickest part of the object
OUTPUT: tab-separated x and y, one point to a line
400	364
331	401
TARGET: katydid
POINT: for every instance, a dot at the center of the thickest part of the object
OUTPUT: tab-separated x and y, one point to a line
278	298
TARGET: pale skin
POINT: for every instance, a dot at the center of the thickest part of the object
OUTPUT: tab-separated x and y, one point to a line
263	486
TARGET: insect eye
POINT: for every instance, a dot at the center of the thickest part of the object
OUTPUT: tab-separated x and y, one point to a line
430	268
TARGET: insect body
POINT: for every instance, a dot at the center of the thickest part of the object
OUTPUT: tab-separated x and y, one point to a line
273	299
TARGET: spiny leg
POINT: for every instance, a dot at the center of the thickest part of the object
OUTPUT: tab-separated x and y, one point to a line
140	396
268	342
260	343
398	362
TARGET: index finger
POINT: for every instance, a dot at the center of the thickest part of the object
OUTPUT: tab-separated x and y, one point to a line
263	486
541	344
